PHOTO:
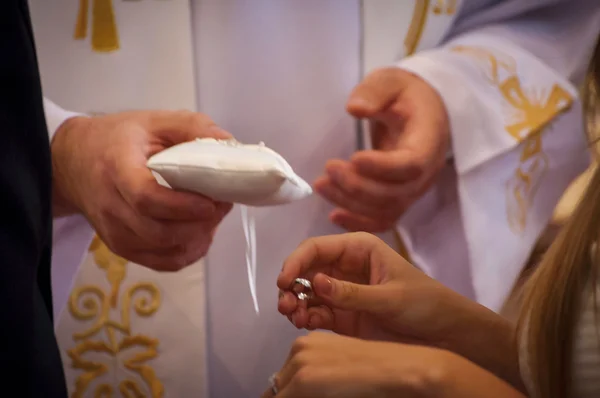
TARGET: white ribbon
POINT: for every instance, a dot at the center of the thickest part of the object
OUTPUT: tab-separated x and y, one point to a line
250	234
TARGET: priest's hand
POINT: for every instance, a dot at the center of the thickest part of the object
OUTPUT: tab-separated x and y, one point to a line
99	167
410	137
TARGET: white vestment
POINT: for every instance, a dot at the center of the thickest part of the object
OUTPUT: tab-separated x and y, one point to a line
280	72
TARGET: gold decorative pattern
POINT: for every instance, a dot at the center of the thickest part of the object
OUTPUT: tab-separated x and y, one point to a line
91	302
447	7
419	20
532	114
417	24
105	37
105	34
529	116
494	63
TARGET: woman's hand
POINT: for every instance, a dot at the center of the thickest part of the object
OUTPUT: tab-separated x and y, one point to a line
364	289
326	365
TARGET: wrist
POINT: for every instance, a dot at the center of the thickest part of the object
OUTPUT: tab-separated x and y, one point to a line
63	203
486	339
425	376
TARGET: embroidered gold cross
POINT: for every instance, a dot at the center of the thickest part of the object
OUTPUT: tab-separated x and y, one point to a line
105	37
533	115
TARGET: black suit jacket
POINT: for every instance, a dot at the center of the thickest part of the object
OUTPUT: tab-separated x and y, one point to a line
29	356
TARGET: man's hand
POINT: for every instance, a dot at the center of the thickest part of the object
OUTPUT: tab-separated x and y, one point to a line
410	136
99	167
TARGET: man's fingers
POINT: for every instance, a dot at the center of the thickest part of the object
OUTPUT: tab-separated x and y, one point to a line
142	192
338	197
377	91
127	243
182	126
160	234
374	191
399	166
353	222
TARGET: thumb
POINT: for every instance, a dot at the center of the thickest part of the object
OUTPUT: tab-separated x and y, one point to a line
377	91
176	127
348	296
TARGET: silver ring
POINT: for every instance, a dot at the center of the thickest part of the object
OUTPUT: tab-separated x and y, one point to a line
273	384
304	295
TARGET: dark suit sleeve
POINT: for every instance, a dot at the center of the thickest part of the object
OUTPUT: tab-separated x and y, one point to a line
28	349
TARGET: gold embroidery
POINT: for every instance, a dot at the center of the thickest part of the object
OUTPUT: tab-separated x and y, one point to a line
494	65
105	37
447	7
417	24
525	182
530	115
81	26
97	304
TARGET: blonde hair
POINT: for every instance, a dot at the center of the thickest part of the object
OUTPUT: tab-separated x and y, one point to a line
553	295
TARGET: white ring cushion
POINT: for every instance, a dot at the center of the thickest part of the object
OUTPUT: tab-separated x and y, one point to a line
228	171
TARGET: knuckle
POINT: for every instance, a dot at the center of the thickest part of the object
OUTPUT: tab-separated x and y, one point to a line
159	234
141	201
300	344
104	211
352	188
309	243
369	240
301	360
365	236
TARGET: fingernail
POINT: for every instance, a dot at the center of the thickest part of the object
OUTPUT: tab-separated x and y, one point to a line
328	287
360	103
294	320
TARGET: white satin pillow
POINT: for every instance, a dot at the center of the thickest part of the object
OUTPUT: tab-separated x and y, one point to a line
228	171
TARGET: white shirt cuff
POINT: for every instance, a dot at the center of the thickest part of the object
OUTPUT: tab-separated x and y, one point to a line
56	116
